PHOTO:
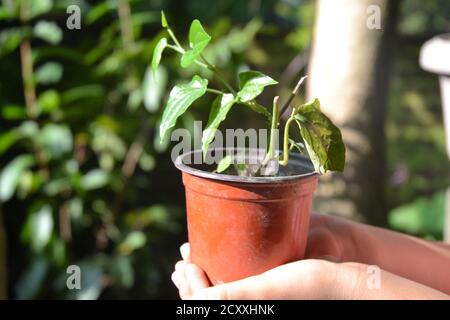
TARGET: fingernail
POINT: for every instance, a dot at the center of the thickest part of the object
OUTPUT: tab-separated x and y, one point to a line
184	252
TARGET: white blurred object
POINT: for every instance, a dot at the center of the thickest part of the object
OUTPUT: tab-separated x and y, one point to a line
435	58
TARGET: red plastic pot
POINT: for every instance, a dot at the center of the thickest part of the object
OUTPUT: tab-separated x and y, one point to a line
243	226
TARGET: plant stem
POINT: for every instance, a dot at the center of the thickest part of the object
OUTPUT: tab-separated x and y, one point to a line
218	92
285	159
218	74
291	97
273	130
172	35
126	27
27	67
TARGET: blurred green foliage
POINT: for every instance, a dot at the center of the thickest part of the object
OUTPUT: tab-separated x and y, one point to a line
83	179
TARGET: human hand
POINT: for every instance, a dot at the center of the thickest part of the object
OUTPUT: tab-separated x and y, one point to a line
304	279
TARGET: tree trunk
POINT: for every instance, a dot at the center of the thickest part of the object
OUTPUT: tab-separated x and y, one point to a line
349	71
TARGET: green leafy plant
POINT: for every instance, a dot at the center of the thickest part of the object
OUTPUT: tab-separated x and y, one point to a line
322	140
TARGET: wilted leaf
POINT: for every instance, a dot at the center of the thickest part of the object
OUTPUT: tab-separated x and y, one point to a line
180	98
198	40
48	31
252	83
48	73
219	110
323	140
10	175
157	53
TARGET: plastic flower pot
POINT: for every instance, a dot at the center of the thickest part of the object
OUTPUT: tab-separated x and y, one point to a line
242	226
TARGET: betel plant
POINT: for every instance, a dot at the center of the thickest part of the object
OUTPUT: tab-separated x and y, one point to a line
249	220
321	138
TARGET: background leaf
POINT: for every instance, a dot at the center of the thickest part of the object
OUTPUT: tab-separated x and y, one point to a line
48	73
10	175
48	31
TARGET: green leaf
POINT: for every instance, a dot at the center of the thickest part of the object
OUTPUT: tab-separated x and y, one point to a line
259	109
133	241
48	31
252	83
49	73
323	140
224	163
56	140
40	226
180	98
94	179
14	112
153	88
219	110
425	215
157	53
198	40
32	279
8	139
49	101
164	23
39	7
11	38
11	173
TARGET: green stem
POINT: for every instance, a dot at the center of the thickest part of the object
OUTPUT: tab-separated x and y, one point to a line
213	68
218	92
285	159
172	35
273	128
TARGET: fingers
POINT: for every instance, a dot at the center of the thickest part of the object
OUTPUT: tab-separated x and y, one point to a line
196	278
188	277
185	250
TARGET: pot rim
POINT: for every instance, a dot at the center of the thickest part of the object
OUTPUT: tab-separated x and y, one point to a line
300	159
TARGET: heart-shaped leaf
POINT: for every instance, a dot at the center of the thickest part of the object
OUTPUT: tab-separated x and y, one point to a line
180	98
198	40
323	140
219	110
157	53
252	83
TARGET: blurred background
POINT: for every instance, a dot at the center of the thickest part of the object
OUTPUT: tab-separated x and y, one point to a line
84	180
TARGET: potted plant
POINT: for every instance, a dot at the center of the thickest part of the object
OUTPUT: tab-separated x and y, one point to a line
247	214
